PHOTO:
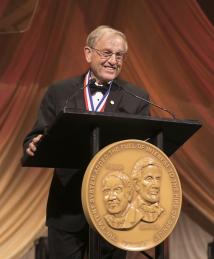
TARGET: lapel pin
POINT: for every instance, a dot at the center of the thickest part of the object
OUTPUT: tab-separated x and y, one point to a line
112	102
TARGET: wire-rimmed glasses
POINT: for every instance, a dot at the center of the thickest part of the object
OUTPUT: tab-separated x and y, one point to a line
106	54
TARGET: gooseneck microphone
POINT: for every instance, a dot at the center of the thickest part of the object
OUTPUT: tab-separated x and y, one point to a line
147	101
91	82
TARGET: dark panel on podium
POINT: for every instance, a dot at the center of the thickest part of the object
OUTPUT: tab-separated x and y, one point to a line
67	142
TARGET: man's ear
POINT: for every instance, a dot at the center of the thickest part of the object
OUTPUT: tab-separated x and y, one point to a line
88	53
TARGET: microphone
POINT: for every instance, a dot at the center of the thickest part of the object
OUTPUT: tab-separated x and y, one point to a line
91	81
147	101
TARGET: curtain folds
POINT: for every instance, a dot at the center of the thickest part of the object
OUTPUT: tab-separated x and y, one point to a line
171	55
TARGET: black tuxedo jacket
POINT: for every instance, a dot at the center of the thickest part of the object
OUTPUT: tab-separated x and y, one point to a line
64	208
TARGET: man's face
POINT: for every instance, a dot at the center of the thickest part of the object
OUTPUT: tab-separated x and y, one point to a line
106	69
150	184
115	195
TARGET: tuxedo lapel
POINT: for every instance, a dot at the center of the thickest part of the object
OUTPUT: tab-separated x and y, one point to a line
78	101
114	99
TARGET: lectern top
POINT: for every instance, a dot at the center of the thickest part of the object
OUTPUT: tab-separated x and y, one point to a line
66	143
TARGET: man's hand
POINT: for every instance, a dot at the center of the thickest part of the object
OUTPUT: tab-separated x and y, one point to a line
32	146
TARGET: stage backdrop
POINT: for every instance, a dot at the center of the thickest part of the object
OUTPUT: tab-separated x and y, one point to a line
171	55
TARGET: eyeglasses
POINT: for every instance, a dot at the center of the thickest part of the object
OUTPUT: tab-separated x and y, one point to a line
106	54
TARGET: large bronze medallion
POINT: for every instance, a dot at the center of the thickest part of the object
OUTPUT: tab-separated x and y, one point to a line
131	195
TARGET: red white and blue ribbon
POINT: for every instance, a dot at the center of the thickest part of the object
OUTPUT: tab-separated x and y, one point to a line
90	105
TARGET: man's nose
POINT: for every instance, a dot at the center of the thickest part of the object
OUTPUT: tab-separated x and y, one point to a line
155	182
112	195
113	59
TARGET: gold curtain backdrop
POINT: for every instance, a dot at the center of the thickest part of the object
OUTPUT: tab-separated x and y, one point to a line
171	55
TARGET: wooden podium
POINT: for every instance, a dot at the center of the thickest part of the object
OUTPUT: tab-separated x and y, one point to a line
88	132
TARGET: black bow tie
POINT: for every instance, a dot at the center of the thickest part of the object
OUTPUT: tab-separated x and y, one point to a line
98	88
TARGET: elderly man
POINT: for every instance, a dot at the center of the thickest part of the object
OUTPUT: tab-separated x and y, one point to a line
118	191
99	90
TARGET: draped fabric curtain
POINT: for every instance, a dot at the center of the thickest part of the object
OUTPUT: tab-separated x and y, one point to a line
171	55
